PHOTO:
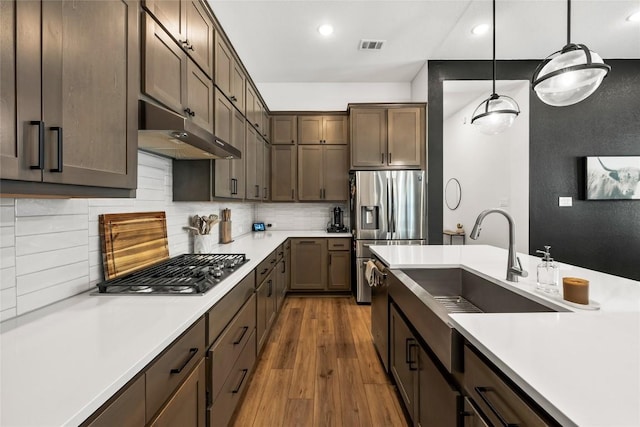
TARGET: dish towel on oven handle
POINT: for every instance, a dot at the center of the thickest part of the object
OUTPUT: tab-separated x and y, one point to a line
369	273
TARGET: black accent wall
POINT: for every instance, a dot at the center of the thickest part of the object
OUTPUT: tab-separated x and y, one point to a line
600	235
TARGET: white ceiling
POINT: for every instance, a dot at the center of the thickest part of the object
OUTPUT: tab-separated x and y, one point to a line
278	40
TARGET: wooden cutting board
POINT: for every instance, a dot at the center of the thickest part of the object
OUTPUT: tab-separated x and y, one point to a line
132	241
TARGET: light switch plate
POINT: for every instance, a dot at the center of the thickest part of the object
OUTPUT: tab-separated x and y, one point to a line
565	201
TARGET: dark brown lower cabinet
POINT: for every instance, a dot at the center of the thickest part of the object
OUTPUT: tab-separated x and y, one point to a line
266	308
126	410
233	388
339	271
430	399
188	405
308	264
281	273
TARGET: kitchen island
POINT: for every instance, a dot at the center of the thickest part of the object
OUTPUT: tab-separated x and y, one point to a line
59	364
581	366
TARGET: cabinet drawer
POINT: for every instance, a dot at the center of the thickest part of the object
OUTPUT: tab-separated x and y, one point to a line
172	367
226	349
265	267
500	403
223	407
339	244
222	313
126	410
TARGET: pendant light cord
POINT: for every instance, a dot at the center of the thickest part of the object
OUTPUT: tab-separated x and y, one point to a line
568	21
494	47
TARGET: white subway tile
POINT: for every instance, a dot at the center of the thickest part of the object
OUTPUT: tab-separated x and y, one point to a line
7	201
39	207
26	226
42	261
34	300
148	159
7	257
7	298
26	245
30	283
153	173
7	314
7	216
8	278
7	237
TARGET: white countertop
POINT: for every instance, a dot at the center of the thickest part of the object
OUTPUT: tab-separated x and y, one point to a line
61	363
583	367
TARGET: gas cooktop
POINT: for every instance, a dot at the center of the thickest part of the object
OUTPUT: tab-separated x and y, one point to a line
188	274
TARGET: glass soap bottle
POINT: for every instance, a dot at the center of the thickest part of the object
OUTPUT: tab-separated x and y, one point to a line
548	273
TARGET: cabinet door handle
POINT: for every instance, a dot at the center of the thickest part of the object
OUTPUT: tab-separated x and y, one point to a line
382	158
409	346
58	129
292	141
40	125
264	192
257	191
270	283
233	98
321	193
389	158
257	125
284	267
292	196
330	258
481	392
244	375
242	334
190	47
192	353
189	112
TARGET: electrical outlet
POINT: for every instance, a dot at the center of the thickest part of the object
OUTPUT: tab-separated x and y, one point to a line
565	202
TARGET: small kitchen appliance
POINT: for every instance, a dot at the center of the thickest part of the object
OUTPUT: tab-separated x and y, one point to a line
337	222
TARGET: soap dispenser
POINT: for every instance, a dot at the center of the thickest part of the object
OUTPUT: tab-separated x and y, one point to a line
548	273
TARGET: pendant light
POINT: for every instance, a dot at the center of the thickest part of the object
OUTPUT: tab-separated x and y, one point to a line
496	113
570	75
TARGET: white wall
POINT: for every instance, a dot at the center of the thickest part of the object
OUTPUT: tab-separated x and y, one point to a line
493	170
299	216
50	248
419	85
330	96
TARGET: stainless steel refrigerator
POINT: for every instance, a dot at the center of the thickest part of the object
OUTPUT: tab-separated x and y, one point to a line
387	208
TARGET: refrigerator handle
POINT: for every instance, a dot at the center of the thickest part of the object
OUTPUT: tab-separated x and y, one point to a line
388	208
393	207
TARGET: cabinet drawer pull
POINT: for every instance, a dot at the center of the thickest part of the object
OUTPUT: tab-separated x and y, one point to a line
239	386
40	125
257	125
58	129
264	271
192	353
242	334
273	261
481	392
189	112
233	98
307	242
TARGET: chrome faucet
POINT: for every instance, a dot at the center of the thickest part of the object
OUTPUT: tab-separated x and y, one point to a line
514	268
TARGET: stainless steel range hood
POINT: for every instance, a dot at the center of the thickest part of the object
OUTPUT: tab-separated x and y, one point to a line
169	134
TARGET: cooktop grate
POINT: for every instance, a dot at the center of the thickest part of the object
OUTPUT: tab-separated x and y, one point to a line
181	275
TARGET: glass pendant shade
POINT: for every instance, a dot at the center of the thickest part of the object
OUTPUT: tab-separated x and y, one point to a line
495	114
569	76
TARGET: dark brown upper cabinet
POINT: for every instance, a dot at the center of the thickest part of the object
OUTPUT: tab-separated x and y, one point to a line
323	173
284	160
69	107
229	76
284	130
322	129
388	138
190	26
228	175
173	79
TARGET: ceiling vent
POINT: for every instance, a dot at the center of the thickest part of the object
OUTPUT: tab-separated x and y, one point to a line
370	44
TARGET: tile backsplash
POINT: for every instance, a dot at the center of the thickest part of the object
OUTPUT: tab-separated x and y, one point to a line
50	248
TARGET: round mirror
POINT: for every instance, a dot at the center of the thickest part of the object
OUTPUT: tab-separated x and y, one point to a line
452	194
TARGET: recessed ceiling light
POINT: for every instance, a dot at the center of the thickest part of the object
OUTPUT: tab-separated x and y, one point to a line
634	17
481	29
325	29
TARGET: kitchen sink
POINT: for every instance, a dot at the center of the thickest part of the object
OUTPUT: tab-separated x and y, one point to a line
462	292
426	298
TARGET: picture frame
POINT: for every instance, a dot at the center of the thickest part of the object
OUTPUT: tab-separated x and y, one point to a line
612	177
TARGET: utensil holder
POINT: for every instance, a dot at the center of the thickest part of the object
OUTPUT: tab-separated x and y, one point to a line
225	232
203	244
